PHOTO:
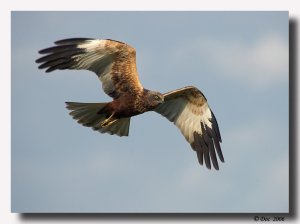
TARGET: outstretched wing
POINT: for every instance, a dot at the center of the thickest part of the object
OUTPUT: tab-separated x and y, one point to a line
188	109
114	62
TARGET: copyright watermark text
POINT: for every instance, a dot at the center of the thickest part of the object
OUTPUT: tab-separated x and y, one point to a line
269	218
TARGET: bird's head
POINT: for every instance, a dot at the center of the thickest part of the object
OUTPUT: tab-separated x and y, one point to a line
154	99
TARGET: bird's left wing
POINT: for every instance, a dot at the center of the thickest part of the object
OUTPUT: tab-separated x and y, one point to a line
188	109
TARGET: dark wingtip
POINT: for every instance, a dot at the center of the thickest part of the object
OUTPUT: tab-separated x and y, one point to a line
41	66
216	166
206	145
68	105
72	40
220	154
43	51
47	50
50	70
208	166
216	126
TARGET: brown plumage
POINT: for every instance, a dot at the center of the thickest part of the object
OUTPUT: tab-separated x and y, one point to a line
114	63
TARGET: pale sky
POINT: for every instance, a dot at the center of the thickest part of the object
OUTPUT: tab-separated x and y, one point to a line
238	60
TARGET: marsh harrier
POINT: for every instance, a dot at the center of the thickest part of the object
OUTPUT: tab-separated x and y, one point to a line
114	63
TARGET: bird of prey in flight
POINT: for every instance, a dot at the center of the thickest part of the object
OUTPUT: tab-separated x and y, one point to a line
114	63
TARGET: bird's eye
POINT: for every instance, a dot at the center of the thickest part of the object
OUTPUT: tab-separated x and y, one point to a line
156	97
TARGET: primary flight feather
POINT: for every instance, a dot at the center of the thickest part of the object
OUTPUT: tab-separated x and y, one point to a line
114	63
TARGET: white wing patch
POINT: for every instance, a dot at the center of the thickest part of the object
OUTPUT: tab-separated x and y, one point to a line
188	122
90	45
94	57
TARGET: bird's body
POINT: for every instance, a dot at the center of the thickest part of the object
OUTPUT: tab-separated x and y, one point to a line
114	63
129	105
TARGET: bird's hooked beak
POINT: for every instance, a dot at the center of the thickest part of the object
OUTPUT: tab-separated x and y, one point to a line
162	99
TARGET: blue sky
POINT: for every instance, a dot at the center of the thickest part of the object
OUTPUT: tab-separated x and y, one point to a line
238	60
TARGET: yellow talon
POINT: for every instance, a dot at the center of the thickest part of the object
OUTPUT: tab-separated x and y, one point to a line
108	121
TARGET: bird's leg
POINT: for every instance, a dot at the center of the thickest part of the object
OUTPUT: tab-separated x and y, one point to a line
108	121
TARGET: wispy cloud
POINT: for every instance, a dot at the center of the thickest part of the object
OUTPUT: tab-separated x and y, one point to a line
259	63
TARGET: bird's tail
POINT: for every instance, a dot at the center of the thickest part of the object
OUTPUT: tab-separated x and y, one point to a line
88	115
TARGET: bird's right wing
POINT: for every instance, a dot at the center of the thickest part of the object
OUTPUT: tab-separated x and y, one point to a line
114	62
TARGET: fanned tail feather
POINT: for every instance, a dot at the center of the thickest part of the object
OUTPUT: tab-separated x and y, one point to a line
88	115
